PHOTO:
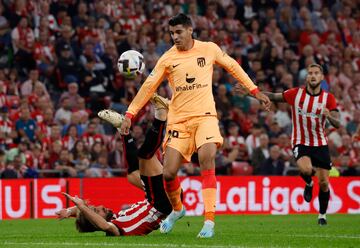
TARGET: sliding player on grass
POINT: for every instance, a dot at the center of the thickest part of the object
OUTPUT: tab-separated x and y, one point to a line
142	217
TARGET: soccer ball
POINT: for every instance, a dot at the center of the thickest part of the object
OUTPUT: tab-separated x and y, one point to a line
131	63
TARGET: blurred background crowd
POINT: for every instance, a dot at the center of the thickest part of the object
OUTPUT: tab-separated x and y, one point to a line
58	67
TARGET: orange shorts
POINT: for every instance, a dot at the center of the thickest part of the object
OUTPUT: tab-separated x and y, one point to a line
188	136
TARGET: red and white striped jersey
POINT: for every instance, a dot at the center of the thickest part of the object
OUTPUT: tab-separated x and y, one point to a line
308	121
140	219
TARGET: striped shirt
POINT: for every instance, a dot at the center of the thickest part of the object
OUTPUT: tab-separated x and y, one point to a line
308	121
140	219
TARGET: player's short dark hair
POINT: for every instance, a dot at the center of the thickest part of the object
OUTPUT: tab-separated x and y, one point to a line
315	65
180	19
83	224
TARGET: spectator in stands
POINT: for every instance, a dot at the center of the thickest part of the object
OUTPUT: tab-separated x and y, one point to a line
116	160
70	137
8	132
44	54
67	38
63	114
20	150
80	158
260	154
64	164
68	67
71	93
26	126
222	101
274	132
100	167
23	40
353	125
91	136
282	116
274	164
28	86
253	140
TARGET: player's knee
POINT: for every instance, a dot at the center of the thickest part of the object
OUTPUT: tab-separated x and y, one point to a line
306	170
207	162
169	175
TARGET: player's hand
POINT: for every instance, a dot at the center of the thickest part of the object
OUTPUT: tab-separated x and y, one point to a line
326	112
62	214
125	126
76	200
264	101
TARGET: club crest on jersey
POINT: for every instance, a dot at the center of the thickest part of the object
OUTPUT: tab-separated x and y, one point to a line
201	61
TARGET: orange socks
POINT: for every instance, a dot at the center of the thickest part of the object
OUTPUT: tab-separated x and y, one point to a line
173	191
209	193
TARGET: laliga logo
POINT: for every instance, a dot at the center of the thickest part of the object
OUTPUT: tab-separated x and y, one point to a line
192	197
335	202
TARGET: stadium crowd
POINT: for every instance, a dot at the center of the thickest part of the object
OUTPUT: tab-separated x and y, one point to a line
58	68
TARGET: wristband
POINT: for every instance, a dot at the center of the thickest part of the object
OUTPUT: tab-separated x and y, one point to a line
129	115
68	212
255	91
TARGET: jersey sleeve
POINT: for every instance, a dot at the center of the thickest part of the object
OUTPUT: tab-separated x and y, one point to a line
289	95
331	103
149	87
233	67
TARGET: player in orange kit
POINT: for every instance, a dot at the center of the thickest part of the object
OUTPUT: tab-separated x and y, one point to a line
192	118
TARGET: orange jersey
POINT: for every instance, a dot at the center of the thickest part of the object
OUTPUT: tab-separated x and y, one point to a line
190	77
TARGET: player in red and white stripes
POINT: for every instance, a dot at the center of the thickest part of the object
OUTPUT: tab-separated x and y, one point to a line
311	108
142	217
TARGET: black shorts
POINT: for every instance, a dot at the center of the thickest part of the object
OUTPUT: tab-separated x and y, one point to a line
319	155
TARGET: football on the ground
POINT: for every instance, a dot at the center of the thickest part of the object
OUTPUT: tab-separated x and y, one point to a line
131	63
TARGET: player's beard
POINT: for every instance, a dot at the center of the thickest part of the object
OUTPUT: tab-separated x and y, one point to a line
314	86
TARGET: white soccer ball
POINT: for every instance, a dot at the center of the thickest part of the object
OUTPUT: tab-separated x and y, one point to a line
131	63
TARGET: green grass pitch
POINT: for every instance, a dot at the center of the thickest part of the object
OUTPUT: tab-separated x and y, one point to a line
231	231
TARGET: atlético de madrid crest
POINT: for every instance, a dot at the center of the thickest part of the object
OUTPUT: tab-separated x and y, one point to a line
201	61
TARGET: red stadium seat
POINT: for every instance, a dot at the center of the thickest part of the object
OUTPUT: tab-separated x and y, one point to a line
241	169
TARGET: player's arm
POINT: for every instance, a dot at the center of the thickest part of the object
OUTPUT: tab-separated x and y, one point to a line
331	112
93	217
146	91
233	67
66	213
275	97
333	116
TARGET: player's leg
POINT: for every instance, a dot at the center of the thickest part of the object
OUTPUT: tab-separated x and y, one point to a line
207	153
208	138
129	146
304	164
151	170
324	194
321	159
179	145
172	162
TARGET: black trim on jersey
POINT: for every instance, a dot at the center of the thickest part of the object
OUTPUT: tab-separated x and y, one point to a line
307	92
